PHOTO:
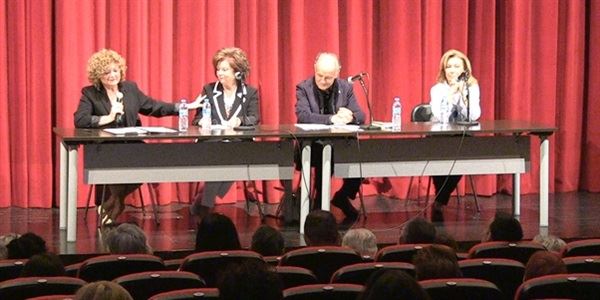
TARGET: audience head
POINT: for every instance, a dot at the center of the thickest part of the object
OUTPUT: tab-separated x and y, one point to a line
327	69
216	232
505	228
418	231
320	229
550	242
44	264
544	263
443	238
392	284
127	238
362	240
449	59
236	58
26	246
100	62
267	241
436	261
249	280
4	240
102	290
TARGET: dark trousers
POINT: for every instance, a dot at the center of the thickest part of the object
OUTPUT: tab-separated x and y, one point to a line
443	187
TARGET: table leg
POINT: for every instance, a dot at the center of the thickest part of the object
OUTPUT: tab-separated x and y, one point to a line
72	195
517	194
326	178
544	162
62	206
305	185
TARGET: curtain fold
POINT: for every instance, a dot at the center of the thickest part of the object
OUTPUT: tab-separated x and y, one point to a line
535	60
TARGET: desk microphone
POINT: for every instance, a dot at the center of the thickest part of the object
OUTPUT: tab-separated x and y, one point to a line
241	77
356	77
119	116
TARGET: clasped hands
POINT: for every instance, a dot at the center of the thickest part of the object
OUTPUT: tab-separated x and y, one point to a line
456	87
342	117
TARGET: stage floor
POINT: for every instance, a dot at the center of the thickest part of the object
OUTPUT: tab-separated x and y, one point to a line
572	216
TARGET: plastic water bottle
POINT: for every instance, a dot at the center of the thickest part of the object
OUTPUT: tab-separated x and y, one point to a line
396	114
183	116
444	111
206	116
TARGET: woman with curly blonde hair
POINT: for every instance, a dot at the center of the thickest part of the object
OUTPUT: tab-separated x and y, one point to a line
113	102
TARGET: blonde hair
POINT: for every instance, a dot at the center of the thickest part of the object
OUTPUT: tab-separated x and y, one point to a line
362	240
441	77
98	63
236	57
102	290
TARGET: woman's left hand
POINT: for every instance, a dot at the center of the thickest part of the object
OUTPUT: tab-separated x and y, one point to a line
235	122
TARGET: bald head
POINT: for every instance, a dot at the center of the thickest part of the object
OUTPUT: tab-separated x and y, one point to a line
327	69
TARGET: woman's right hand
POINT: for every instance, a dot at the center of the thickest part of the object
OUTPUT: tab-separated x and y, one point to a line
116	108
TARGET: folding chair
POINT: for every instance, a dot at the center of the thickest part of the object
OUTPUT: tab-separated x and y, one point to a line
147	284
11	268
360	273
197	293
322	261
336	291
583	264
29	287
208	265
520	251
506	274
578	286
109	267
399	253
460	288
582	248
295	276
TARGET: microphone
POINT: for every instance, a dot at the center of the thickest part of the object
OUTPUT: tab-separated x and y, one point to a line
119	116
464	76
240	76
357	77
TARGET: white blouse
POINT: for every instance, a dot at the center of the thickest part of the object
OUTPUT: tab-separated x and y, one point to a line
441	90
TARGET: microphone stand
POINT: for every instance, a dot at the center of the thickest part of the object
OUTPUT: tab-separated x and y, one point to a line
370	126
468	122
243	127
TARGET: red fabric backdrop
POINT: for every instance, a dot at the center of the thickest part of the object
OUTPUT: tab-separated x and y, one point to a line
535	60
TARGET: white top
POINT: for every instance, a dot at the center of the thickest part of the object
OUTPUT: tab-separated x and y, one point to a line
441	90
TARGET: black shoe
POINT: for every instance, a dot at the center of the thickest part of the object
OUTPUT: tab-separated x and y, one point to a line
340	201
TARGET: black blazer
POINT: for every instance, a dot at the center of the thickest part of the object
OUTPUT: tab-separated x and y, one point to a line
94	103
249	106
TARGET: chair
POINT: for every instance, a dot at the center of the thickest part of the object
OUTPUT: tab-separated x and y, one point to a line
460	288
53	297
29	287
578	286
150	191
11	268
209	264
72	270
336	291
506	274
272	260
109	267
322	261
191	294
398	253
422	113
582	248
295	276
583	264
173	264
147	284
519	251
359	273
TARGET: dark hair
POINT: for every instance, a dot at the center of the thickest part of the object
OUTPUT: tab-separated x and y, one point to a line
102	290
418	231
320	229
249	279
392	284
436	261
444	238
44	264
505	228
544	263
216	232
267	241
127	238
26	246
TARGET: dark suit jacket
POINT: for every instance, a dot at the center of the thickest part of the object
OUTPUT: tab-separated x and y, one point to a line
247	105
307	104
95	103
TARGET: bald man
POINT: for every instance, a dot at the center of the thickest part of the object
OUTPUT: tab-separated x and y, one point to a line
326	99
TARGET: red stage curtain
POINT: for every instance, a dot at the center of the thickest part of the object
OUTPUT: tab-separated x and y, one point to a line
535	60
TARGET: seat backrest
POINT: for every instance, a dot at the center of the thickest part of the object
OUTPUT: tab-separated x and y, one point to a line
199	293
506	274
399	253
295	276
109	267
582	248
520	251
11	268
334	291
29	287
208	265
578	286
323	261
460	288
421	113
359	273
147	284
583	264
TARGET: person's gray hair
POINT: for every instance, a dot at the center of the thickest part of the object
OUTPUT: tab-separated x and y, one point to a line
550	242
362	240
127	239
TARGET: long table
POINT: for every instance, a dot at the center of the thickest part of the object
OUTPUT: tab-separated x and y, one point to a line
493	147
